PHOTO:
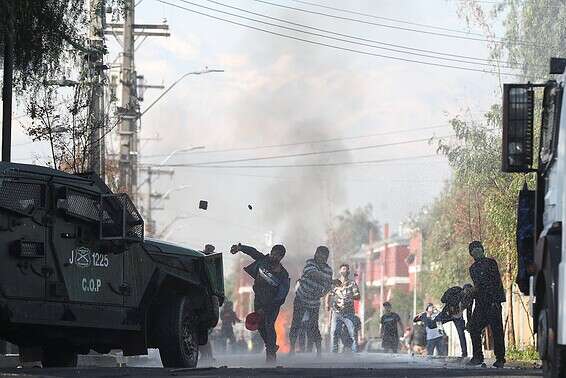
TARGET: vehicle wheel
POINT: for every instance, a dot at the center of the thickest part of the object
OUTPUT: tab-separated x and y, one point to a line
177	334
553	358
55	356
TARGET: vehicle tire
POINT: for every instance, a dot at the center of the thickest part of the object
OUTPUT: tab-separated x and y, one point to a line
177	335
553	358
57	356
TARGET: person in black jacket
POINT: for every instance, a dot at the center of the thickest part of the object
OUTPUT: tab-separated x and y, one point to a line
488	295
457	299
271	286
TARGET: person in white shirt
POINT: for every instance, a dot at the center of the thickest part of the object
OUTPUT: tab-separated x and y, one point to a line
434	332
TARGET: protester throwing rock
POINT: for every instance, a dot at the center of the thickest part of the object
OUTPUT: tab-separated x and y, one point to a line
271	286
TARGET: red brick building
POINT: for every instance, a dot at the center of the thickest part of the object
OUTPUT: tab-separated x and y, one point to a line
385	266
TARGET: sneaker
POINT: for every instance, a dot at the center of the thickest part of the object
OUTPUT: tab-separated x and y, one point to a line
475	361
499	364
270	358
318	351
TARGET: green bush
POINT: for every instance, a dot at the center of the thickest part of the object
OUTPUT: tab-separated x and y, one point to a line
527	354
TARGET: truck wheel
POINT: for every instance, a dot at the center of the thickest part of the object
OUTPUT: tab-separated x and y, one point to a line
553	358
56	356
177	334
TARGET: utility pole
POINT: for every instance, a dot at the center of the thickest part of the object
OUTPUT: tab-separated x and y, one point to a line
7	89
96	71
150	172
128	113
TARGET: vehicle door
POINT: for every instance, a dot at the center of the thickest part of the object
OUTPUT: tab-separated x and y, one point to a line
91	272
22	238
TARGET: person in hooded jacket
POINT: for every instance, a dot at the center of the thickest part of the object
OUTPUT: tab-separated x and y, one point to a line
271	286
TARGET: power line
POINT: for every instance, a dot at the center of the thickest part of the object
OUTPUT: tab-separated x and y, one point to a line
390	26
303	177
505	64
335	46
308	165
292	144
312	153
385	18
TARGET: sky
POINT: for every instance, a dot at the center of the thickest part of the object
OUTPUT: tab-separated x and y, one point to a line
276	91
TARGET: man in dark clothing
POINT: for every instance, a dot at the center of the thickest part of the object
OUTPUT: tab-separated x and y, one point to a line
417	339
229	318
271	286
315	282
488	296
457	299
390	323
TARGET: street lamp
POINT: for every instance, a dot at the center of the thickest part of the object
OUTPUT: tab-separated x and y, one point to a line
165	195
201	72
186	149
168	229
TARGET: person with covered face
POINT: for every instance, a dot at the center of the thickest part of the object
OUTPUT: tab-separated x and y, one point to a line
488	295
341	302
271	286
315	282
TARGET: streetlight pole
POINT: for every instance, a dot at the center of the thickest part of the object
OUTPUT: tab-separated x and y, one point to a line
202	72
186	149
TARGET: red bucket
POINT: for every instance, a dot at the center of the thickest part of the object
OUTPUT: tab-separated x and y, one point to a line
253	321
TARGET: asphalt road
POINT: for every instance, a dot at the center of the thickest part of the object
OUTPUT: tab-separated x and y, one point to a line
360	365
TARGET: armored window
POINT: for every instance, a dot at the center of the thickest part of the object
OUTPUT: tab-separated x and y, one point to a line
79	204
21	197
550	118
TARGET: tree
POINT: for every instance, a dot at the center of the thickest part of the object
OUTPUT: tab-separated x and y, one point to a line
352	229
38	31
33	37
402	303
534	31
489	211
42	40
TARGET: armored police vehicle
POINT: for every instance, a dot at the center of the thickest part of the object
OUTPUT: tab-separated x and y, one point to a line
77	275
541	212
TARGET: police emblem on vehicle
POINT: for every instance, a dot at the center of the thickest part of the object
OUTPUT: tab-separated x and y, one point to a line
81	257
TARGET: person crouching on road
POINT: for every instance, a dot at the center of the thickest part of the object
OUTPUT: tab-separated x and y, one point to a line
271	286
315	282
488	296
341	302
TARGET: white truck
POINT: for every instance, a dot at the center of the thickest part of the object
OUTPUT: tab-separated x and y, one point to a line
542	211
